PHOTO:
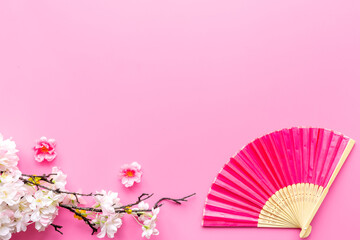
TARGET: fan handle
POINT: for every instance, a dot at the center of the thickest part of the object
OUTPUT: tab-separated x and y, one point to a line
305	231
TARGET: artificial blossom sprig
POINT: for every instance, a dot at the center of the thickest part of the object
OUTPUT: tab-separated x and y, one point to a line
107	207
28	198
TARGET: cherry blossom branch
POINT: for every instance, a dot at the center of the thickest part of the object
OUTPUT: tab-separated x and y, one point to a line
122	209
98	210
141	198
31	198
43	177
35	181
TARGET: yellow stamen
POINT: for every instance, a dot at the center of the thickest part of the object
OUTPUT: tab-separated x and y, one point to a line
128	210
81	212
35	180
130	173
44	149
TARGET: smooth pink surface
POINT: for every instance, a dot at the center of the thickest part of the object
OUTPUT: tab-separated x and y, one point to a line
178	86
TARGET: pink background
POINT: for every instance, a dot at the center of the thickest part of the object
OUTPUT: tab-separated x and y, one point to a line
178	86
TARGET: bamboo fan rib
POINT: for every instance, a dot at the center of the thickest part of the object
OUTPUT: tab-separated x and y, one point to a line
279	180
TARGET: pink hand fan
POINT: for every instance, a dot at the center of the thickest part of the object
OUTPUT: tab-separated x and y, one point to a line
278	180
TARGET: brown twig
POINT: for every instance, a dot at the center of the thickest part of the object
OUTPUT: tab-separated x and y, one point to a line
98	210
58	190
86	220
43	177
57	227
141	198
175	200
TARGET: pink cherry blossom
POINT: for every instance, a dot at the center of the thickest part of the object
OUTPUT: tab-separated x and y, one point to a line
130	173
45	149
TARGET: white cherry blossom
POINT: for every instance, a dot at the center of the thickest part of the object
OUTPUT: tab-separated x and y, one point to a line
107	201
59	179
149	228
108	224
